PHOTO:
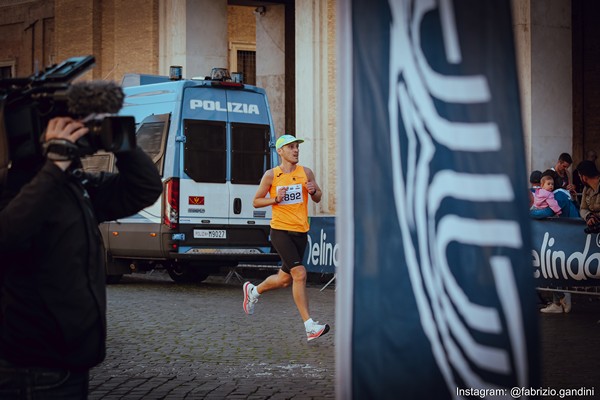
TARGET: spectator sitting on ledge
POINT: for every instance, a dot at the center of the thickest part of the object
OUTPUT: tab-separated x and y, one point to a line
590	198
534	180
562	196
544	204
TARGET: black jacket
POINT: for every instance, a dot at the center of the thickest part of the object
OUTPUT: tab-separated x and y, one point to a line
52	261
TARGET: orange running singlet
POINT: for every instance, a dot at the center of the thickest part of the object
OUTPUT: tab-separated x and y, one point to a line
291	214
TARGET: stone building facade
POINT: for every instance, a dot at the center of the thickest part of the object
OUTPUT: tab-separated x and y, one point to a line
295	46
148	36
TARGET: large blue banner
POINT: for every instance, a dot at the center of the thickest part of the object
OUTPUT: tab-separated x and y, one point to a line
437	294
563	255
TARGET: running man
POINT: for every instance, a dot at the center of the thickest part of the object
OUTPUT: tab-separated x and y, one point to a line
289	185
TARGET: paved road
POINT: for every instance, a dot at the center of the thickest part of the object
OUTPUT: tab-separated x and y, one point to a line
570	347
167	341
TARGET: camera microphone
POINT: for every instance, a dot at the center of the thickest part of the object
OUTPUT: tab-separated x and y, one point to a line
29	103
95	102
94	97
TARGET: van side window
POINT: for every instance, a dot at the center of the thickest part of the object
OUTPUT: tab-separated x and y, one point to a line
250	156
205	154
151	137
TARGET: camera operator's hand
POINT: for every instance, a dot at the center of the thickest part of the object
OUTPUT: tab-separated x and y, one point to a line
65	128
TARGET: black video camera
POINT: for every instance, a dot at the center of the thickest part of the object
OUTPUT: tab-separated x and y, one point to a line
27	104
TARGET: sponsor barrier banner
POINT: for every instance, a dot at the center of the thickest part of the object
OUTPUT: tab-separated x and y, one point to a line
563	255
322	251
436	297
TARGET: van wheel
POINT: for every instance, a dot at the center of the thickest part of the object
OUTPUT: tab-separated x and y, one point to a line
184	274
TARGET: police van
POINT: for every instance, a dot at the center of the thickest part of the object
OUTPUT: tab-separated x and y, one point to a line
212	140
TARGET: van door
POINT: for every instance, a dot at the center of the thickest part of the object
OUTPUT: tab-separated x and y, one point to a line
226	152
204	193
250	156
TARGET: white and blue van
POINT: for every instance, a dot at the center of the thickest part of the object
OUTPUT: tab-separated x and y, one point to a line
212	141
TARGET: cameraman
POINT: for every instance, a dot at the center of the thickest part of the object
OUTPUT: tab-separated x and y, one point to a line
52	289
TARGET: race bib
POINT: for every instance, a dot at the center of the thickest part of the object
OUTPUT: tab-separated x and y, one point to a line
293	194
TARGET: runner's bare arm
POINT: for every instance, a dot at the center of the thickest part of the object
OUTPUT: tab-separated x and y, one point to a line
312	186
260	199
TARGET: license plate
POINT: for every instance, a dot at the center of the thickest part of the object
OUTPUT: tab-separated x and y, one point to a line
210	234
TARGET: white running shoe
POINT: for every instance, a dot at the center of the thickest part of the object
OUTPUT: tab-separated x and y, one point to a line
316	330
565	302
552	309
249	300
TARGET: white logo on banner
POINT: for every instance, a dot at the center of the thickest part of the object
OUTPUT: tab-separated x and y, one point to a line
577	265
449	313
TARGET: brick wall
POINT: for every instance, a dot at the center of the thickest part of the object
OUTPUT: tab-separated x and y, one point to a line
74	28
135	38
122	34
241	24
27	35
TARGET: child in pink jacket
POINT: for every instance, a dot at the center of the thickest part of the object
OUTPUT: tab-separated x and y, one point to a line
544	204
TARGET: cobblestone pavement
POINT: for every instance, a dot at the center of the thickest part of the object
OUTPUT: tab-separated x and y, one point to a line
570	348
169	341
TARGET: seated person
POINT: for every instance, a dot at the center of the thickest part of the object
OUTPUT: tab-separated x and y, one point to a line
531	199
579	186
534	180
561	303
562	170
563	197
544	204
590	198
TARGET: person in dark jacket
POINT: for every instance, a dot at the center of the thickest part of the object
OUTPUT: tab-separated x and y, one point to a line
52	288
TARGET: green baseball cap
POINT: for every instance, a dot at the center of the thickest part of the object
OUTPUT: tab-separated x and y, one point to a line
286	139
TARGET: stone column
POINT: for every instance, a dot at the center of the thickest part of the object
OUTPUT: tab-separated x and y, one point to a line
543	37
316	94
551	82
270	60
522	32
193	34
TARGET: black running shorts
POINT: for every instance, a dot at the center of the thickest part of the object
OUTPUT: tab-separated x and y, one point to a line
290	246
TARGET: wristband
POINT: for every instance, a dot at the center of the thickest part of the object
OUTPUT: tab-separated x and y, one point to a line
276	202
60	150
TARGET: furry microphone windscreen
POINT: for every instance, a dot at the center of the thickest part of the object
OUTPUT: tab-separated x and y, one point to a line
94	97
